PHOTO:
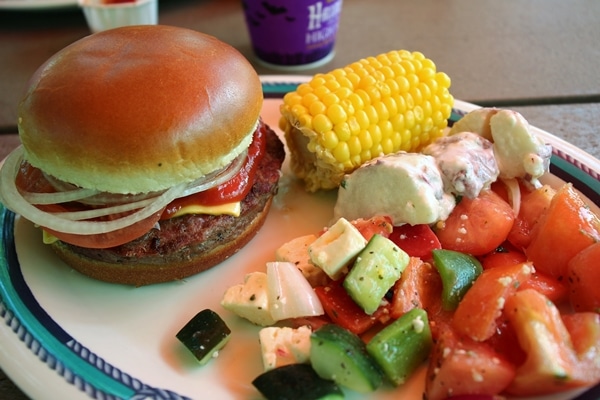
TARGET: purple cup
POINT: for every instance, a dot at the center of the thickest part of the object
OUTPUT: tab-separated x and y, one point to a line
293	34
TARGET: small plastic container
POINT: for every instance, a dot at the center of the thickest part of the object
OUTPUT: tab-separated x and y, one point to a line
105	14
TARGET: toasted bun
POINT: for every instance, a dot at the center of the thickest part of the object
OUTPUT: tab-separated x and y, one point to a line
139	109
147	273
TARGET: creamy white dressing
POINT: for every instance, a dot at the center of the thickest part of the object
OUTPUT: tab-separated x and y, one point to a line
407	187
466	161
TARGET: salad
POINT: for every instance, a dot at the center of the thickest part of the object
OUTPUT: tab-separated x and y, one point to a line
491	290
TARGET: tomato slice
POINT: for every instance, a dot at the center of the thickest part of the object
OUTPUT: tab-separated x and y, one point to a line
584	276
504	255
420	286
476	226
555	290
483	303
567	227
533	205
416	240
461	366
343	311
551	362
109	239
369	227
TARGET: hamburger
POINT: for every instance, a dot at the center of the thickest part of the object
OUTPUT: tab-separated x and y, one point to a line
143	156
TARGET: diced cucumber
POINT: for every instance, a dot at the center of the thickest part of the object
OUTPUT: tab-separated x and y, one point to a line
204	335
296	382
341	356
458	272
374	272
401	347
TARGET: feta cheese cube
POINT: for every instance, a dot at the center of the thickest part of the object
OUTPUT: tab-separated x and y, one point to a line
284	346
296	252
336	248
250	300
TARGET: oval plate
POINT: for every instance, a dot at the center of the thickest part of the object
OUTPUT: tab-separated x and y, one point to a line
64	335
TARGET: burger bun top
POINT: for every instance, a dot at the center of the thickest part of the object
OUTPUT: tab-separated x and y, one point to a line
139	109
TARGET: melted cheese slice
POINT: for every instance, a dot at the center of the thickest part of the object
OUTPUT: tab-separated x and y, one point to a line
228	208
234	209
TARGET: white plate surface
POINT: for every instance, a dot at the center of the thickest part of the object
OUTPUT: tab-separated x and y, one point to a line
64	335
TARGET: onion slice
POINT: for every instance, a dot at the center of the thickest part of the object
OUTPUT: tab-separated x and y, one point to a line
289	293
58	197
15	201
514	194
217	177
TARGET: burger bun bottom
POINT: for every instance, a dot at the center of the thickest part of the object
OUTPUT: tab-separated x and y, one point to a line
146	273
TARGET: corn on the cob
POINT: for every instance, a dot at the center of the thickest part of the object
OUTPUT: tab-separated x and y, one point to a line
378	105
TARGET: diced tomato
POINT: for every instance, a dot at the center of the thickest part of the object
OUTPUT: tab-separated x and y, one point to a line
369	227
567	227
476	226
483	303
314	322
499	187
505	254
505	342
555	290
342	310
584	328
533	205
584	279
460	366
416	240
551	362
420	286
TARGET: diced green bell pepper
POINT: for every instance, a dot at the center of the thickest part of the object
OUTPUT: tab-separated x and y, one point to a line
458	272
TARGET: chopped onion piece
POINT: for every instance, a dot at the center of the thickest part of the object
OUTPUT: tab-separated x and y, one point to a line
514	194
290	295
13	199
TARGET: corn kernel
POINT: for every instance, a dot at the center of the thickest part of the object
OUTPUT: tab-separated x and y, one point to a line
321	91
366	141
403	84
330	99
381	111
376	136
336	114
372	115
354	126
354	146
316	82
357	101
391	105
321	123
305	120
343	131
308	99
330	140
299	109
341	152
317	108
387	145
